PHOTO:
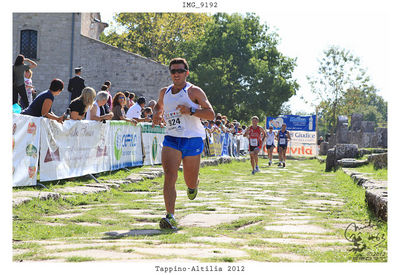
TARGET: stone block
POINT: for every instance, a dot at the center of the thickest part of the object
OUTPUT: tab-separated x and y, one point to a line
352	163
346	151
356	119
367	126
379	160
323	149
330	163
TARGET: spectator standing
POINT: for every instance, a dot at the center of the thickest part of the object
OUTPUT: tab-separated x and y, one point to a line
41	105
76	84
80	105
136	110
119	101
108	90
29	85
19	69
97	112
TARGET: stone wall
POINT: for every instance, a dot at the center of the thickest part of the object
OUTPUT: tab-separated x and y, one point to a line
125	70
62	47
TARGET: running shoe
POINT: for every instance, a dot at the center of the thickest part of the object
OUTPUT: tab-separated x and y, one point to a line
269	163
168	222
284	164
192	193
253	172
257	170
280	164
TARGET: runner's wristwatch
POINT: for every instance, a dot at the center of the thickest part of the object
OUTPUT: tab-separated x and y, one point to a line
192	110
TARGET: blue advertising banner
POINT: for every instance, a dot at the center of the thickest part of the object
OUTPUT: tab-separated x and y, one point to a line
293	122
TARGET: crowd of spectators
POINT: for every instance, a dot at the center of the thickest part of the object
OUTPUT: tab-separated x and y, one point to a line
221	124
85	103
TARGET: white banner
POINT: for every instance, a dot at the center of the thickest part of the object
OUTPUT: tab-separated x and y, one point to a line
125	140
302	144
153	138
74	148
25	144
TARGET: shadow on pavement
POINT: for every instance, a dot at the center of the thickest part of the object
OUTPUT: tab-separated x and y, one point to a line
137	232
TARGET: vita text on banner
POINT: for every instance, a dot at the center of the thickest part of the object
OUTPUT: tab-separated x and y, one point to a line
302	144
74	148
126	142
25	148
153	138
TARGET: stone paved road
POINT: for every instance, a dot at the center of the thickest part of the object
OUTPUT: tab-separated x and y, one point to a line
294	214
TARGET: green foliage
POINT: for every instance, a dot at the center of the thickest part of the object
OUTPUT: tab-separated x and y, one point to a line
238	65
156	35
234	58
343	88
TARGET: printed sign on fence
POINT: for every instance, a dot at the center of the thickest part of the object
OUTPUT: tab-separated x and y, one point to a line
126	142
153	138
303	143
72	149
25	148
215	144
293	122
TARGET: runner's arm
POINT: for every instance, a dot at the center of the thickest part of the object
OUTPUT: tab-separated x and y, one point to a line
288	136
159	108
198	96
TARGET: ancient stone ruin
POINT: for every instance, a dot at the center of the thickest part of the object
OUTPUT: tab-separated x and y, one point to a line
363	133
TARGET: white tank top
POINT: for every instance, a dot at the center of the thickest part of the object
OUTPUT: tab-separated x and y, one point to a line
270	138
93	106
179	125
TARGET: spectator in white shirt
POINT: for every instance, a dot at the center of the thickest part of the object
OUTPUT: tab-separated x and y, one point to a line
135	111
96	112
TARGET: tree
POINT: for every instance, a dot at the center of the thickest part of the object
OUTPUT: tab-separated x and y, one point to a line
156	35
238	64
343	87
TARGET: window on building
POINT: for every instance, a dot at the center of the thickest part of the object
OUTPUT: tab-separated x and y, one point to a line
29	43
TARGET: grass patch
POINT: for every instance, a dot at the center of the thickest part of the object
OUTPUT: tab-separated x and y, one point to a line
77	259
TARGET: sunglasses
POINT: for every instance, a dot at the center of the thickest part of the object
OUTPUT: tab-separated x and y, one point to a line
121	97
179	71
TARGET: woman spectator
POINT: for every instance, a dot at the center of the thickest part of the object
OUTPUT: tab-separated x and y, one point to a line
29	86
97	113
41	105
119	102
80	105
19	69
147	113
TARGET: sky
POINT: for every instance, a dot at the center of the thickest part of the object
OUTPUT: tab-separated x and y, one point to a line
306	33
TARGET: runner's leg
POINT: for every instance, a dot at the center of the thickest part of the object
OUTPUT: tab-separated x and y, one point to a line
191	167
171	159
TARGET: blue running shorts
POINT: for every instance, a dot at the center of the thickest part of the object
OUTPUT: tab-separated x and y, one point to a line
188	146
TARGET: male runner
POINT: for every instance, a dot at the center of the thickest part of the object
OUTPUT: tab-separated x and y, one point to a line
182	105
270	144
256	136
283	137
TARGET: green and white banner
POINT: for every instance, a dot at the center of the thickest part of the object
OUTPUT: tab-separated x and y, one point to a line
152	138
125	140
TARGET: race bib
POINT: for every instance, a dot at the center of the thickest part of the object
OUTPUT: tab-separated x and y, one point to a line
175	121
253	142
282	141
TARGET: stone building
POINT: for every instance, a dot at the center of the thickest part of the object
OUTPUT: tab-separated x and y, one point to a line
59	42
